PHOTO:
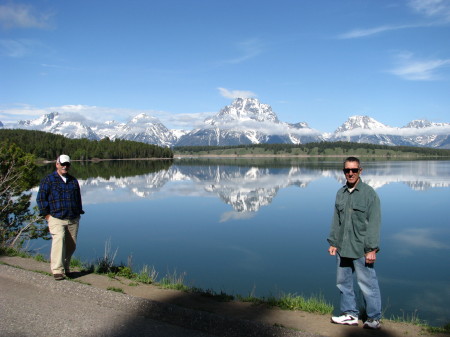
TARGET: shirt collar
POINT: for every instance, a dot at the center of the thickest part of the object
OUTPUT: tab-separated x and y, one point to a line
357	187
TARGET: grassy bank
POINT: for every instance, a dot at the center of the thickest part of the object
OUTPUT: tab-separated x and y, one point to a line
173	280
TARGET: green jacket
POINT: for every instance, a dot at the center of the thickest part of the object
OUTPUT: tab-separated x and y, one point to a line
355	229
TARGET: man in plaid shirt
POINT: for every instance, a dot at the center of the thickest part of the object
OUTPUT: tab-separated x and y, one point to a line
59	201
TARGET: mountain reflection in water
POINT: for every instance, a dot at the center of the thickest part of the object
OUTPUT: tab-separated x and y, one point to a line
248	188
259	226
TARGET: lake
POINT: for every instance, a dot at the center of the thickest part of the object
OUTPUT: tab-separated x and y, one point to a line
259	226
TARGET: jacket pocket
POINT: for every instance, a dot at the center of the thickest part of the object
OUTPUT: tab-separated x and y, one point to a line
359	218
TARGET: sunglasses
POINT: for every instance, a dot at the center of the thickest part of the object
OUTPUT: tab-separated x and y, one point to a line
65	164
354	170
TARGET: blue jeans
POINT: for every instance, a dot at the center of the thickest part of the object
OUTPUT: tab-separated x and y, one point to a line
367	281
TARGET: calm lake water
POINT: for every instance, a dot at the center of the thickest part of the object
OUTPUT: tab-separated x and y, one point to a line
259	226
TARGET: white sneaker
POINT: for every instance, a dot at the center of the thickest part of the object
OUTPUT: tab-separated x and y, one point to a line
372	324
345	319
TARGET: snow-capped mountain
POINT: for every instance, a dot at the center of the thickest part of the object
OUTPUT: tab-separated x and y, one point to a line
247	121
244	121
54	123
141	128
364	129
425	133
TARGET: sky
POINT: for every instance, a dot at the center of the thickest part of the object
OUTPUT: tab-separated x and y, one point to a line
181	61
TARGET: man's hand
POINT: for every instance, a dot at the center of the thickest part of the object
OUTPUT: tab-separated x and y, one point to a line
371	257
332	250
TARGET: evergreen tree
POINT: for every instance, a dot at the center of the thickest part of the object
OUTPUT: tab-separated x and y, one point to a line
17	175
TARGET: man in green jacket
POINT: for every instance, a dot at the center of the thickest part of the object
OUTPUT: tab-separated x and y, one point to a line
354	240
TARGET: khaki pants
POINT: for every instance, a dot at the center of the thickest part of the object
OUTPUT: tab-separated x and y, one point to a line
64	241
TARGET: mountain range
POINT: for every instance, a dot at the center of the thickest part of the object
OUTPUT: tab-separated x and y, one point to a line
245	121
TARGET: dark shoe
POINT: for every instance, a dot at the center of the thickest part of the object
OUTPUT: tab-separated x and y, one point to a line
58	277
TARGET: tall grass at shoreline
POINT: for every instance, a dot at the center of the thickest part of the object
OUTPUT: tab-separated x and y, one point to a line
173	280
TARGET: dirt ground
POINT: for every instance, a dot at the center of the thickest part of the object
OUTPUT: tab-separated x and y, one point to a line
295	320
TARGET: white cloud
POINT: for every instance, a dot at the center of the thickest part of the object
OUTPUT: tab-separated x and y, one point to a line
435	9
23	16
183	120
403	132
358	33
94	114
418	70
19	48
248	49
420	238
233	94
438	11
268	128
228	216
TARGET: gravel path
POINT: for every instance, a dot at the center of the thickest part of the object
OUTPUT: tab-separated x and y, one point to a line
33	304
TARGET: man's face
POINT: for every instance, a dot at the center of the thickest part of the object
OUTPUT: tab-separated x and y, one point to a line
62	168
352	172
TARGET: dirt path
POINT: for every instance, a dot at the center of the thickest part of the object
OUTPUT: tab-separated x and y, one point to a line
173	306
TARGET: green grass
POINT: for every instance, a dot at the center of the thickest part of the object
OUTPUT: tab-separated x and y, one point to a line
147	275
444	329
313	304
40	258
414	319
174	280
8	251
117	290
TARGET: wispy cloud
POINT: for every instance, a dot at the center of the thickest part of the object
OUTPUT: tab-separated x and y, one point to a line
233	215
24	111
436	9
437	12
11	114
233	94
182	121
19	48
419	238
23	16
412	69
359	33
263	127
442	130
247	49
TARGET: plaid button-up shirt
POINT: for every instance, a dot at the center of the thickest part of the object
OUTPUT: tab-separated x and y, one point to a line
60	199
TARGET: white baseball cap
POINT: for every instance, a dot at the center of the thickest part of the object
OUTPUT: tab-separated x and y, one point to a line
63	159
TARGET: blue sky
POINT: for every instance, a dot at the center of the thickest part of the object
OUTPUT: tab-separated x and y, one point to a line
314	61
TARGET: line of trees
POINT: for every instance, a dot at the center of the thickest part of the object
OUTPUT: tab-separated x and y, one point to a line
45	145
317	148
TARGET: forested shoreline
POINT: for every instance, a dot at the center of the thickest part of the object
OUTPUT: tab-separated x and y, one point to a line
47	146
313	149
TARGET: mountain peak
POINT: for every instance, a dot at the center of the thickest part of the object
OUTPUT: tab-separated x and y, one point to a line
142	117
244	109
360	122
418	124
